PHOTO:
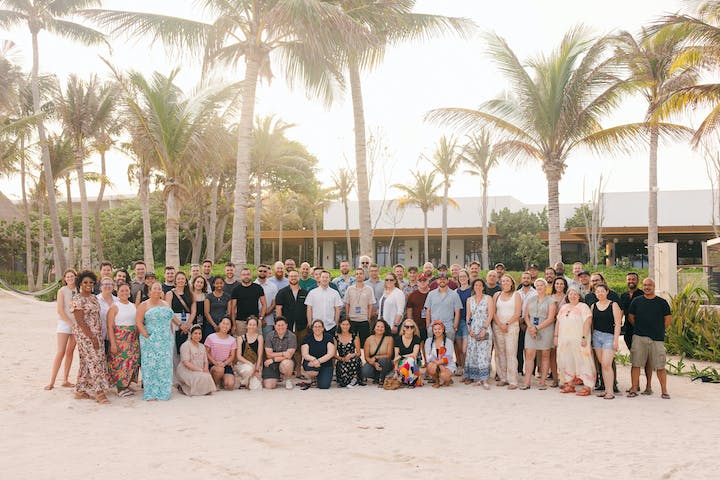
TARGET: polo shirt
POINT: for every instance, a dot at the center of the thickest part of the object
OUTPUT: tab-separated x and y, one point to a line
358	300
277	344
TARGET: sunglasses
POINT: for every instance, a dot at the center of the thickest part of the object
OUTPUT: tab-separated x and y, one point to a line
408	327
389	279
364	263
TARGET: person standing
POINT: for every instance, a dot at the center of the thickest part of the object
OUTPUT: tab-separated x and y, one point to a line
461	335
359	301
247	299
650	316
526	292
64	330
443	270
416	306
207	265
306	281
492	285
399	271
230	281
290	304
153	319
169	278
344	280
632	280
289	266
391	306
376	283
124	351
572	340
607	317
549	279
323	303
443	305
270	293
508	307
474	271
92	375
138	282
540	311
180	300
412	284
105	271
479	316
217	307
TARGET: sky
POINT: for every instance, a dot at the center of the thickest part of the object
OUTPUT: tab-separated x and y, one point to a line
413	79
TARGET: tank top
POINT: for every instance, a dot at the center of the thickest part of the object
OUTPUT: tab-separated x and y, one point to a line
67	294
250	350
603	320
126	315
505	309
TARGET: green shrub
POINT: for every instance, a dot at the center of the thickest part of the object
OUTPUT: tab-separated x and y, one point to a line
694	330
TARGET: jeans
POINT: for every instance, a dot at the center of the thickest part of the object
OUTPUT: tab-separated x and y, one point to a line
368	371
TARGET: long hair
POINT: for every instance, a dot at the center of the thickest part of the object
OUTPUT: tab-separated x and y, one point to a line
562	279
186	295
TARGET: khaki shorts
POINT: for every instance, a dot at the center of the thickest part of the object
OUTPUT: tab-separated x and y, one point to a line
644	349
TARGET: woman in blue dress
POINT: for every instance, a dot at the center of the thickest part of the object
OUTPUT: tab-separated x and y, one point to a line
156	344
479	315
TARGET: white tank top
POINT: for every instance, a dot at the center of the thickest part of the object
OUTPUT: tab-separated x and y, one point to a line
505	309
126	315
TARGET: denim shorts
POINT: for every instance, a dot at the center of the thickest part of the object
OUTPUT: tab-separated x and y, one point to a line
602	340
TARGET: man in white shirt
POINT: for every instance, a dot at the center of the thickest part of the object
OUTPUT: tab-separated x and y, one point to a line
270	293
324	303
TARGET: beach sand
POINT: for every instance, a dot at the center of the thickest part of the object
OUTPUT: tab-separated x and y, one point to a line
457	432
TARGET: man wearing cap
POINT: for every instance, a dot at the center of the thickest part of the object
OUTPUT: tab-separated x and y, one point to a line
584	285
500	269
443	270
415	306
534	273
443	304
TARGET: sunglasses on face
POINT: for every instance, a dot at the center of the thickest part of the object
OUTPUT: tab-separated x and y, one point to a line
408	327
389	279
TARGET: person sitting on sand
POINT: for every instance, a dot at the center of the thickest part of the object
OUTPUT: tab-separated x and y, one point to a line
379	350
440	355
250	350
407	351
318	350
193	375
221	347
280	346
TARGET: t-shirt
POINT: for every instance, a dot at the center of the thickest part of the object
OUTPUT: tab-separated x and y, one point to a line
378	289
591	299
493	290
416	301
293	308
220	348
650	317
308	284
277	344
279	282
229	287
358	299
317	348
247	300
409	349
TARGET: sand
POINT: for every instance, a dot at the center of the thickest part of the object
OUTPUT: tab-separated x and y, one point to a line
457	432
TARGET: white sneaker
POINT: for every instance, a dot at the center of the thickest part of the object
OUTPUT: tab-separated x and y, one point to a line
353	382
289	385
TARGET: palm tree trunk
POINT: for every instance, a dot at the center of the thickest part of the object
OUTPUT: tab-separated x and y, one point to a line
652	201
172	227
58	250
84	211
280	240
70	224
363	189
553	174
197	243
242	168
315	240
101	194
347	231
144	194
443	234
41	244
210	232
485	254
425	237
256	220
220	245
26	221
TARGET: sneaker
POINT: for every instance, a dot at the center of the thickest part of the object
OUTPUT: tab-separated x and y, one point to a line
289	384
350	385
353	382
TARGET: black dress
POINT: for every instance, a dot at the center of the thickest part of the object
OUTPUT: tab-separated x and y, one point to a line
345	372
218	310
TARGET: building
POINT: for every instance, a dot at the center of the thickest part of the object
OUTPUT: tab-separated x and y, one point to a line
684	217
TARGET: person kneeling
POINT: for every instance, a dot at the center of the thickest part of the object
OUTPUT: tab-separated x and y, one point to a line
318	350
440	355
379	350
192	372
280	346
221	349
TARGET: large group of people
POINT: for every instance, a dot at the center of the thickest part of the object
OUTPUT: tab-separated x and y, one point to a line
300	327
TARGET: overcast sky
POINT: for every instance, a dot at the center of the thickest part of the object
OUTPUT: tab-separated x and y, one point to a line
414	78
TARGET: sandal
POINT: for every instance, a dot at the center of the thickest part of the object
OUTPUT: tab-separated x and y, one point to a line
609	396
524	387
101	399
584	392
665	396
126	392
81	396
554	385
647	391
567	388
543	386
632	394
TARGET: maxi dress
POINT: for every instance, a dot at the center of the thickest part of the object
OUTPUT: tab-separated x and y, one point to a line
479	352
574	360
156	354
92	376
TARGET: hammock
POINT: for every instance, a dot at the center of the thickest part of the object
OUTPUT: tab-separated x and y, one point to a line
39	293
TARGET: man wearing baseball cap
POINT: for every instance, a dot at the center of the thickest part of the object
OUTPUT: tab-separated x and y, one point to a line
415	306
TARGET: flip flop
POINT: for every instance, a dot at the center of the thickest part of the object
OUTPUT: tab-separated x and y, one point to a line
647	391
632	394
608	396
665	396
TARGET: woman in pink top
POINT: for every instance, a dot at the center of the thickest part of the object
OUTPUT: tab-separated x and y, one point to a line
221	347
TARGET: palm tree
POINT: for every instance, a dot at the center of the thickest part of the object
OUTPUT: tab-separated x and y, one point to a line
301	33
277	162
139	171
424	195
343	185
176	129
480	157
83	109
445	162
389	22
656	71
554	106
313	204
49	15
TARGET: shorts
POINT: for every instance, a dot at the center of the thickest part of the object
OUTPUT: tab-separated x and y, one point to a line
602	340
63	327
462	330
228	370
273	371
646	349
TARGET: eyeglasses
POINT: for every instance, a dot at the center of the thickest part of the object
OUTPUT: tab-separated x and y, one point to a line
106	284
408	327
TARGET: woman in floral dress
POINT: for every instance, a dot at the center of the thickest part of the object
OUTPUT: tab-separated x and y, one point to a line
479	314
347	355
156	341
92	376
572	339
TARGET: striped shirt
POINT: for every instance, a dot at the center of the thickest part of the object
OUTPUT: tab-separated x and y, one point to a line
220	348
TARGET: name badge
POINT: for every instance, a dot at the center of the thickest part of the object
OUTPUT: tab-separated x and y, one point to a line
357	310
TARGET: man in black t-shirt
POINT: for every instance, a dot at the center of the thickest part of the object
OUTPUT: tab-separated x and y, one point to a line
631	280
650	316
244	299
290	303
